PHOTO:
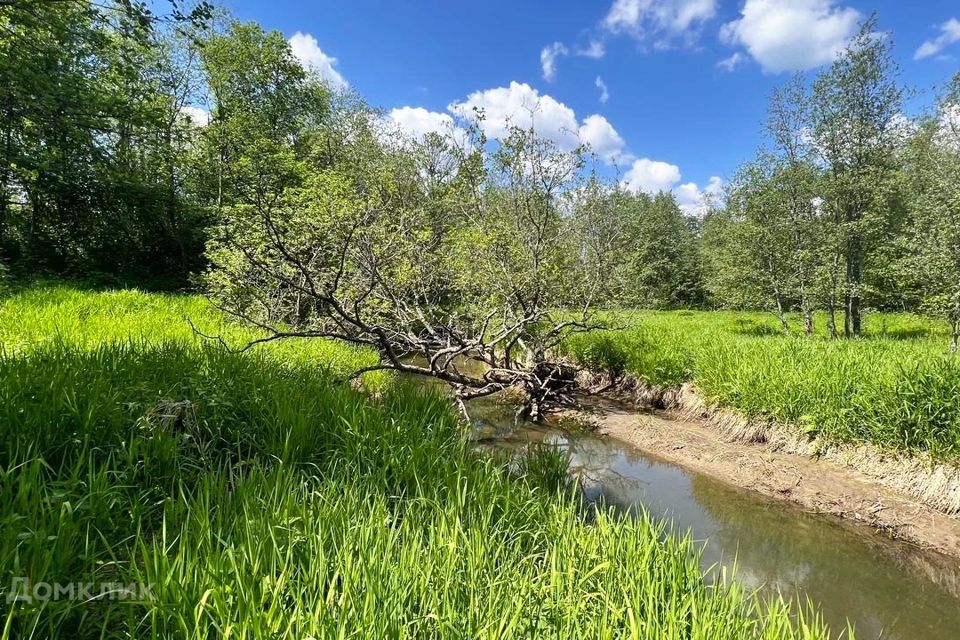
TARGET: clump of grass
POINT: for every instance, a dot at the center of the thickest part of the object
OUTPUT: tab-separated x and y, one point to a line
256	498
897	387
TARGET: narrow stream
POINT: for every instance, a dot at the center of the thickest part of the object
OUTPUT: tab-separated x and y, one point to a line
886	589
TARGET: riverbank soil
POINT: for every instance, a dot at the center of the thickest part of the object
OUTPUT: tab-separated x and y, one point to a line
816	484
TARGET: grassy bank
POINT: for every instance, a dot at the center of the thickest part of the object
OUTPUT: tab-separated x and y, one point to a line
898	386
253	498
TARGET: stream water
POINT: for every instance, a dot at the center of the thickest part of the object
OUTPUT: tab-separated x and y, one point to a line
886	589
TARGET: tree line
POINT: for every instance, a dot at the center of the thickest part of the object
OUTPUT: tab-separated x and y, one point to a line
94	149
148	146
850	204
124	134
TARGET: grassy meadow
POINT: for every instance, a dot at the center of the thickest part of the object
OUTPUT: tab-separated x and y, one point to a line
255	498
898	386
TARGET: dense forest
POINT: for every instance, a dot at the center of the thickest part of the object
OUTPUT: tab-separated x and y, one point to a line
132	140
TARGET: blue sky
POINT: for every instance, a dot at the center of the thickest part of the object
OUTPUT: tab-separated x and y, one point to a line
686	80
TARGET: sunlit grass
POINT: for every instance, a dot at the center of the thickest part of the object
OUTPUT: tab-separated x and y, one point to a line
48	315
260	499
898	386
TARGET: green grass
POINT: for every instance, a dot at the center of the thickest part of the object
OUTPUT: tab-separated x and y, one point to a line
898	386
259	499
84	319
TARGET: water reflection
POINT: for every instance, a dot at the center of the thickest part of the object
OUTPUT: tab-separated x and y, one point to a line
887	589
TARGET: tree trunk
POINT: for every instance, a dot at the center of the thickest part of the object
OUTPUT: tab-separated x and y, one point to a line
781	313
856	316
4	197
852	323
847	332
3	211
171	199
5	171
549	386
832	319
807	318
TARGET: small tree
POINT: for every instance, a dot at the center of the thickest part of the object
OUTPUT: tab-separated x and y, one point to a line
662	258
729	274
795	183
758	251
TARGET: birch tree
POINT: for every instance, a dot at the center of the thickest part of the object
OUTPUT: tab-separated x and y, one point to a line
857	105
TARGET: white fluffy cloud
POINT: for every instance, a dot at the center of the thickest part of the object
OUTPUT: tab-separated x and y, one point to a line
651	176
548	59
693	200
417	122
654	176
522	105
792	35
306	49
604	94
949	33
663	21
603	139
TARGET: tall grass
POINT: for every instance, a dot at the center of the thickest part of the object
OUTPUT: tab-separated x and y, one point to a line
898	387
63	314
256	498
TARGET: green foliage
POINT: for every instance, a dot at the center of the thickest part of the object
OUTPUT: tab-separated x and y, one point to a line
92	148
661	255
603	353
252	494
730	250
645	247
897	387
929	266
813	221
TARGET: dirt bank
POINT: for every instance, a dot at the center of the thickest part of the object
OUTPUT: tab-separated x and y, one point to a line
818	483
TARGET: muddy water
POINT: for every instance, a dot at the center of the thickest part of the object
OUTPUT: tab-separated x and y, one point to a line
886	589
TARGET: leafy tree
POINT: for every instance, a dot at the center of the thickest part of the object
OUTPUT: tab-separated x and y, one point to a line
649	246
477	263
856	114
81	110
758	254
812	220
795	181
931	266
662	258
265	107
731	276
769	249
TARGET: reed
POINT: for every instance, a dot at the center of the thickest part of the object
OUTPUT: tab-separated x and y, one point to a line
256	497
897	387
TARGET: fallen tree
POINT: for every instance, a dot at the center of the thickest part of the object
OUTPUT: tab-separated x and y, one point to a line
432	252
